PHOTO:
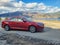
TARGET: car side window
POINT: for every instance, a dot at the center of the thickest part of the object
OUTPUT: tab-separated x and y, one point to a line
19	20
13	19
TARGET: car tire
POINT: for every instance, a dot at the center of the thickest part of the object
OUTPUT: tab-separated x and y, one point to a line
7	28
32	29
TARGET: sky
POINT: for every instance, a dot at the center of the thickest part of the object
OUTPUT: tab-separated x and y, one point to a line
47	2
42	6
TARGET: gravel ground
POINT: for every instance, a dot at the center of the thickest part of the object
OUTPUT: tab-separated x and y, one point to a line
15	39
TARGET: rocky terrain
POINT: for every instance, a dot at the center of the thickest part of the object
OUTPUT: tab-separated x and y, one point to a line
42	15
15	39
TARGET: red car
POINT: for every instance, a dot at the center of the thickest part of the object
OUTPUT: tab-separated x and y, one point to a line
23	23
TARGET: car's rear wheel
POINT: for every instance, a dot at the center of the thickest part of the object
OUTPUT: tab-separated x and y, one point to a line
32	29
7	28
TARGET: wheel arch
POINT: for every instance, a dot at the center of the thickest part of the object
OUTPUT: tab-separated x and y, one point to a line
5	25
32	25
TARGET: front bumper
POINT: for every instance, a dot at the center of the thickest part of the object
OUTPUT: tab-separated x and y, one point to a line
39	28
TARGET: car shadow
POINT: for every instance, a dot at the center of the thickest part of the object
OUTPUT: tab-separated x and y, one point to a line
46	29
18	30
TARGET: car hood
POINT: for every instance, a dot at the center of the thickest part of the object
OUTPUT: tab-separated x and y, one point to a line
35	22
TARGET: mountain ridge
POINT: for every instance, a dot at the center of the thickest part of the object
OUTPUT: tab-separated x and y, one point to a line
32	14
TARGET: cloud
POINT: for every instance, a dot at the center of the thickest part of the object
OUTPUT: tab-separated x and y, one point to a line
6	3
5	0
41	6
51	9
12	6
31	5
19	4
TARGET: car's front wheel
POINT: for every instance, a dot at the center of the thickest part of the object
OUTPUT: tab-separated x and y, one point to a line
32	29
7	28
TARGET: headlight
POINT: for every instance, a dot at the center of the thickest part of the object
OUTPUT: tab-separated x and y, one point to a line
40	24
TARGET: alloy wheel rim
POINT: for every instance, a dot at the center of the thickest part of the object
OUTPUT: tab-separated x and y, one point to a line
6	27
32	29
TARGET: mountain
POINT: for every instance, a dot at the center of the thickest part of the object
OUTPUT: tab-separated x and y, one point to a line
57	14
11	14
32	14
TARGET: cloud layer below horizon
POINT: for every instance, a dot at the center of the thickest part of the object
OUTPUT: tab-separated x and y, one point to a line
12	6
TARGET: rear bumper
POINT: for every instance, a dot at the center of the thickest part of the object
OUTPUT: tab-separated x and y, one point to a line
2	25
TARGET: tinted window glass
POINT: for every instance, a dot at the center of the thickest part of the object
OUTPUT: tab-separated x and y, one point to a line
13	19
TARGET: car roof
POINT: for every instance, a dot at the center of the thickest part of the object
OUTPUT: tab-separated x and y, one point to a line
17	17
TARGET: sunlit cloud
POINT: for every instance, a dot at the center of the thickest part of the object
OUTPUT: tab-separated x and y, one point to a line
12	6
31	5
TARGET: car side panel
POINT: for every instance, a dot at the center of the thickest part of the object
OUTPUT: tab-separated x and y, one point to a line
13	25
23	25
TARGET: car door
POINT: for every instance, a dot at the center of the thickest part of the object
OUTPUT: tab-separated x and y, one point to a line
13	23
21	24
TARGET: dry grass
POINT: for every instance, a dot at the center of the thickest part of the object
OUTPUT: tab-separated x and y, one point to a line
48	23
